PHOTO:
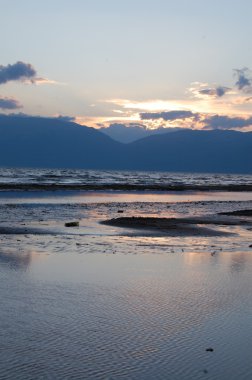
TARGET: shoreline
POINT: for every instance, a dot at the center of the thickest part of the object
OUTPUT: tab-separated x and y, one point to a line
126	187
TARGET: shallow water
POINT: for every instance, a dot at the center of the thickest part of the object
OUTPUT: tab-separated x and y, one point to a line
134	316
87	197
100	302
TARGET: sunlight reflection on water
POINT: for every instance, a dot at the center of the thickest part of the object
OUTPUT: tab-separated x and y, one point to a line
132	197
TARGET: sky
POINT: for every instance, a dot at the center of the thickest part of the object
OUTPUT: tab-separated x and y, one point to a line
169	63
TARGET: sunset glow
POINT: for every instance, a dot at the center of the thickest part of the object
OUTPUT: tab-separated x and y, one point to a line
99	81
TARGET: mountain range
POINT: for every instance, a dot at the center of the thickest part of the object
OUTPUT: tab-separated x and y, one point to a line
133	132
27	141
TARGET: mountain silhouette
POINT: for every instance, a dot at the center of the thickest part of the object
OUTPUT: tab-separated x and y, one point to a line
216	151
43	142
27	141
133	132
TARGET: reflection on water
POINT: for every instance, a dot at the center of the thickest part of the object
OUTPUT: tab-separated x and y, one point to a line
238	262
15	260
89	197
234	261
127	316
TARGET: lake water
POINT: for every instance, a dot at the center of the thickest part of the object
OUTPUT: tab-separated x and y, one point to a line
111	179
101	302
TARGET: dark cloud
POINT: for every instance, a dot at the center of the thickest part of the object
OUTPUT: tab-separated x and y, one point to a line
9	104
18	71
244	80
66	118
226	122
167	115
217	92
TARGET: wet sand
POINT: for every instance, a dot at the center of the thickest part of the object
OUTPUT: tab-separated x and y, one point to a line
172	227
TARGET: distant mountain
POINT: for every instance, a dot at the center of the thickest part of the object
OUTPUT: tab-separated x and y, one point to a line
127	134
216	151
43	142
53	142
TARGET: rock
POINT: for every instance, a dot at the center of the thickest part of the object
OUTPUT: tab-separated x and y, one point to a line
210	349
120	211
250	246
72	224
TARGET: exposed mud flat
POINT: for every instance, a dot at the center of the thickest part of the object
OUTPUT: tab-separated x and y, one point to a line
42	225
172	226
238	213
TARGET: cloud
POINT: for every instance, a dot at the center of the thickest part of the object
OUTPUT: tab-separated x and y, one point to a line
168	115
198	120
244	80
226	122
243	83
9	103
66	118
23	72
19	71
204	90
216	92
39	81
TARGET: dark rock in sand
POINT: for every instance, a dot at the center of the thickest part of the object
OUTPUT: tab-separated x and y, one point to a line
72	224
210	349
